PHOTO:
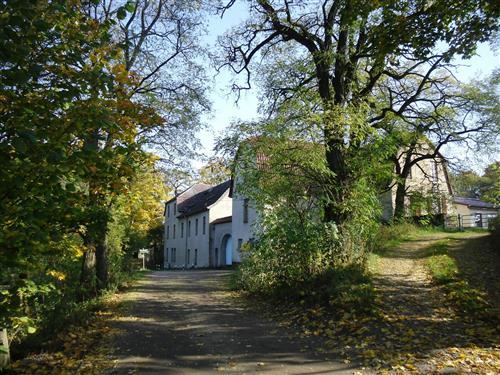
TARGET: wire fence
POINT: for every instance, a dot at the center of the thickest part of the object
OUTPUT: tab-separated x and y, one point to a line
478	220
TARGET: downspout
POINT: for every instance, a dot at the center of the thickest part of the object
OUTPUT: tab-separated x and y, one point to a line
186	242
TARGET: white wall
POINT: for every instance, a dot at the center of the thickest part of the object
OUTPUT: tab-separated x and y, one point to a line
179	243
221	208
425	180
218	232
198	241
241	232
185	241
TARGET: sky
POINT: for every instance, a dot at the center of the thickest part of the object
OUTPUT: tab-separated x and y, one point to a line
225	110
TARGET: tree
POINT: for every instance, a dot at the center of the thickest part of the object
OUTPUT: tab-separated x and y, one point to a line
344	50
68	129
486	187
492	176
215	172
160	43
178	179
160	49
447	113
137	216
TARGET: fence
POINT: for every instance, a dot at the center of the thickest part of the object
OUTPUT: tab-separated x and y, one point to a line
468	221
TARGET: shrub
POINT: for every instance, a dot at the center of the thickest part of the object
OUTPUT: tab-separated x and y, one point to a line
297	258
443	268
494	228
389	236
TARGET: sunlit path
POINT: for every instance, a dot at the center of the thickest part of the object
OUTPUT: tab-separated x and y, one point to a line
184	322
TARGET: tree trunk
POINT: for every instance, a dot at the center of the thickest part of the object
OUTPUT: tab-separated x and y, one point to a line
98	220
399	205
88	270
101	258
336	164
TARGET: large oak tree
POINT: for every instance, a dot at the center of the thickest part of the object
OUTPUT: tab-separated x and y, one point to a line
342	50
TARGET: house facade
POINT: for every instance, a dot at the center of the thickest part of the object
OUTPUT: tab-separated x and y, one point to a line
206	226
474	212
245	218
196	227
427	188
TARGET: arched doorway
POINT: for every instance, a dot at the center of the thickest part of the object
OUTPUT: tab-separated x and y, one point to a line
227	250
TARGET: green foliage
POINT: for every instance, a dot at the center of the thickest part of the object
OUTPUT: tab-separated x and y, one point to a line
443	268
215	172
70	150
486	187
297	254
494	228
389	236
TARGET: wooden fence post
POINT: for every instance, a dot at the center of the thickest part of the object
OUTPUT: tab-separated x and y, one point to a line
4	349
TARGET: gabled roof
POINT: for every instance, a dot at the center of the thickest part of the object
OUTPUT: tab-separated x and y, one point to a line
189	192
473	202
202	200
223	220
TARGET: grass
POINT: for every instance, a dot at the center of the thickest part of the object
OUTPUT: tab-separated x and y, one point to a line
442	267
391	236
445	272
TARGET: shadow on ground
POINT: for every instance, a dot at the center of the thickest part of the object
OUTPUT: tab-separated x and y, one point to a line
416	329
186	322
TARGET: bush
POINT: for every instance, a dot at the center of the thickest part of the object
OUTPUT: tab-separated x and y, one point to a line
443	268
494	228
389	236
297	258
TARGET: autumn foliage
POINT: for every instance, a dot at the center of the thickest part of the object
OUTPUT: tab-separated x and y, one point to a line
72	160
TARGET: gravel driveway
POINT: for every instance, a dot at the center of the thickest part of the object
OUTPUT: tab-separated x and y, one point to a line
185	322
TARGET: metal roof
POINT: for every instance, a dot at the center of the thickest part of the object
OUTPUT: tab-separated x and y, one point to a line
473	202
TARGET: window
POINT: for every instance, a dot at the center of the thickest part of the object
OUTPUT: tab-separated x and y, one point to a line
173	234
245	210
182	230
166	256
175	208
189	228
173	257
435	172
196	227
168	210
195	257
168	231
204	224
240	242
189	257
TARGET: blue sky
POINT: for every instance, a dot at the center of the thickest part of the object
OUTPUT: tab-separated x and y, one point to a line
225	110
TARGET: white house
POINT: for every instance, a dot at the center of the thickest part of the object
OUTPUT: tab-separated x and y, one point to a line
206	226
475	212
427	188
428	179
244	218
197	233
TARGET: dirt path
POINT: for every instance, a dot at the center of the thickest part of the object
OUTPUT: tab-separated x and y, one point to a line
418	330
405	286
186	323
